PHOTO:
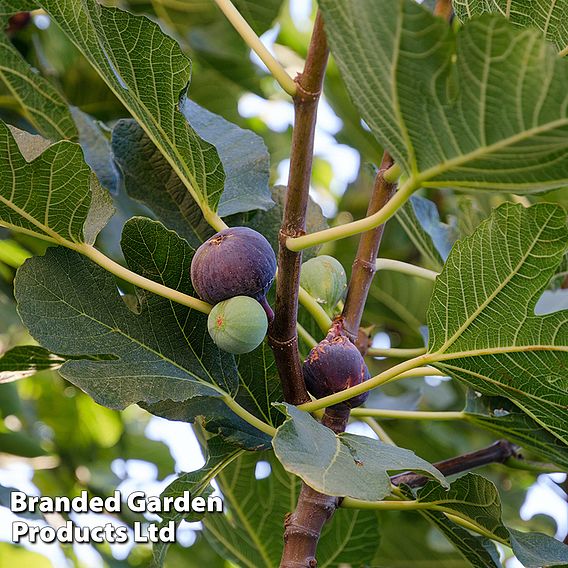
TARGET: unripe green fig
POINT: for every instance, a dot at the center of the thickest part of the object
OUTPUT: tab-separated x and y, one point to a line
324	279
237	325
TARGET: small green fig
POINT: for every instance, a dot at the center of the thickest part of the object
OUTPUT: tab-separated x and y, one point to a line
237	325
323	278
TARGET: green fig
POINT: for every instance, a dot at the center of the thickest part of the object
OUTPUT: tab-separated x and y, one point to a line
324	279
237	325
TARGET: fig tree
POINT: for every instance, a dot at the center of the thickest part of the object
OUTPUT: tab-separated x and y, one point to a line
234	262
324	279
237	325
335	364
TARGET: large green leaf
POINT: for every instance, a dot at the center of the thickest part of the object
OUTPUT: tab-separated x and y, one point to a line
40	102
344	464
479	552
72	306
483	108
148	72
481	321
250	531
26	360
149	178
198	483
471	497
49	191
501	416
259	386
475	500
549	16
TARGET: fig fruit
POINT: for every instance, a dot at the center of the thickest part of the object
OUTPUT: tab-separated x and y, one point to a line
237	325
234	262
335	364
324	279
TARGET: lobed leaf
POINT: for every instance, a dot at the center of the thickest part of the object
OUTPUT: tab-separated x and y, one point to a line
483	108
474	499
41	104
73	307
149	74
344	464
46	191
149	178
501	416
549	16
258	507
482	326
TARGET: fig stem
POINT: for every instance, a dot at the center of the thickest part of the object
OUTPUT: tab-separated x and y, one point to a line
405	268
145	283
392	505
243	28
356	227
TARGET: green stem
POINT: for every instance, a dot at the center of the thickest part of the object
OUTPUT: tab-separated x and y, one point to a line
305	335
377	429
407	414
145	283
453	516
405	268
356	227
395	353
386	376
253	41
316	311
395	505
418	372
392	174
248	417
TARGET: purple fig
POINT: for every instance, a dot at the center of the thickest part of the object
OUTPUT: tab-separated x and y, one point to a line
234	262
335	364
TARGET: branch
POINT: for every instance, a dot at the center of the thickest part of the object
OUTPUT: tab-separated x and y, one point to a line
282	333
498	452
314	509
253	41
364	264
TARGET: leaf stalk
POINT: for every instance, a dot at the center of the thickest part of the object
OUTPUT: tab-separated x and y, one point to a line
253	41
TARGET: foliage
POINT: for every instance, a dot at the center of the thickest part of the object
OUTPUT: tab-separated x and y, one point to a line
113	171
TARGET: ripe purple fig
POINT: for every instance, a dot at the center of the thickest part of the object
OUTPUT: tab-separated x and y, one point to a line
234	262
335	364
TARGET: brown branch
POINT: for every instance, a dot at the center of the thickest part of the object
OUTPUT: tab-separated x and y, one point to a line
364	265
282	334
314	509
498	452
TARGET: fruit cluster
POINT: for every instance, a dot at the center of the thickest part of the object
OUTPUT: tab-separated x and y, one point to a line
234	270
